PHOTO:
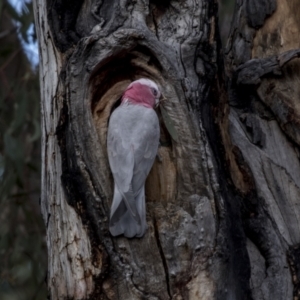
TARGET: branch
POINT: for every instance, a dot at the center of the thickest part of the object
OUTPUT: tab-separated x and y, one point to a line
252	71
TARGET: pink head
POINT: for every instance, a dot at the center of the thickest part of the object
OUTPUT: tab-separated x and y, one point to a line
142	92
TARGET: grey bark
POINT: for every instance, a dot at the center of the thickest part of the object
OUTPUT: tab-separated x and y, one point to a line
263	124
221	200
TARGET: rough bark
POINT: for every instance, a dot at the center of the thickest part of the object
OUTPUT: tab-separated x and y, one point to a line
263	123
221	200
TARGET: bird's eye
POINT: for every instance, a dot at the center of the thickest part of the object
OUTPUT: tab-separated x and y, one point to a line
154	91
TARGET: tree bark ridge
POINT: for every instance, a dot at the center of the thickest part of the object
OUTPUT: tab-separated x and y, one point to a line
263	126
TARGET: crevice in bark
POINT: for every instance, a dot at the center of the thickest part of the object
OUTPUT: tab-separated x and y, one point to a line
293	255
62	17
238	50
214	112
47	221
162	255
155	23
161	4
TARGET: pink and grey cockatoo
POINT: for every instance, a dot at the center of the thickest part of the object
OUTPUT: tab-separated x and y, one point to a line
132	144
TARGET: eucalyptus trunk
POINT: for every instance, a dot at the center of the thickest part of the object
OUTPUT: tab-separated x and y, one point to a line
223	195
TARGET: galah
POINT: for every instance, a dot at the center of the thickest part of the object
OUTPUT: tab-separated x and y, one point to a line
132	144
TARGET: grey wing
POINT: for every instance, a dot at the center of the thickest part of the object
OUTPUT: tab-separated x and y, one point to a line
132	143
121	158
146	145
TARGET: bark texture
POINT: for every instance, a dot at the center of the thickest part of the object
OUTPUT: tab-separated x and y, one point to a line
221	200
264	124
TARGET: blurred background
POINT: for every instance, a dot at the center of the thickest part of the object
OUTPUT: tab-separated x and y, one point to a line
23	253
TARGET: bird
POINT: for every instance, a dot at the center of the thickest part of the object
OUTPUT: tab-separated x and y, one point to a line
132	145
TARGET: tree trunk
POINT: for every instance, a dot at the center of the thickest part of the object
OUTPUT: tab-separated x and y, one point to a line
222	197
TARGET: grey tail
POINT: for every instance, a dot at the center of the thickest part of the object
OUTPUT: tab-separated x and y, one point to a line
121	219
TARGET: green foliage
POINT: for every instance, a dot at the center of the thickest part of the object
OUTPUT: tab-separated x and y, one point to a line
23	253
